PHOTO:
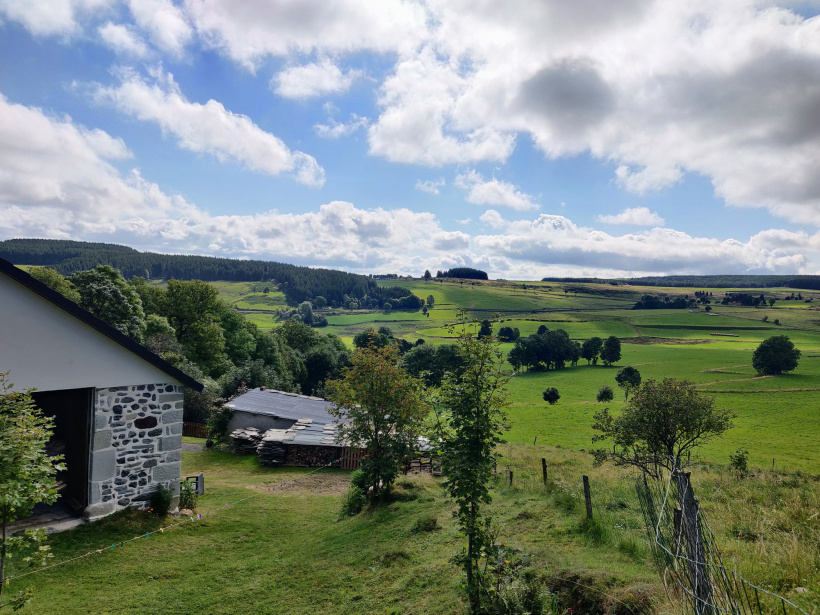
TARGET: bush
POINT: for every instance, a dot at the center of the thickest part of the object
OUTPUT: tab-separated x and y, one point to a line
353	503
739	462
161	500
551	395
187	495
605	393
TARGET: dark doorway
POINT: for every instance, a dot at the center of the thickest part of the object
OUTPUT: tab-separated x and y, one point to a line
72	412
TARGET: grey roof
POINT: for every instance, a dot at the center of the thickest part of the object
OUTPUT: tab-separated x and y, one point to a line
283	405
305	433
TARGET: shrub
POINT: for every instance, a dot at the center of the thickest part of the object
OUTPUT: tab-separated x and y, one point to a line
161	500
551	395
353	503
739	462
605	393
187	495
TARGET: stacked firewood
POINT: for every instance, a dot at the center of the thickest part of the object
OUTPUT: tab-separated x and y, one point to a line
244	441
271	449
312	456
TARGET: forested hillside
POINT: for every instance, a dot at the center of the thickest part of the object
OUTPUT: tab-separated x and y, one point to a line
297	283
809	282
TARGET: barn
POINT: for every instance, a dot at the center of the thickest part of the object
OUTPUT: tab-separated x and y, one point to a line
117	407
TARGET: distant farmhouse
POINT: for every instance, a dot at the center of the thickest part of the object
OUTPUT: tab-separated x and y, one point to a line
117	406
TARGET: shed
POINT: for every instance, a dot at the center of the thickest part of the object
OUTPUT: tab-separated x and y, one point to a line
117	406
270	409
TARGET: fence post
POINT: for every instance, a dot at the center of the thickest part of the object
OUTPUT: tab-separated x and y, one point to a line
587	497
511	477
695	552
544	469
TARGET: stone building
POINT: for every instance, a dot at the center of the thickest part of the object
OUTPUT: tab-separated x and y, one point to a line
117	406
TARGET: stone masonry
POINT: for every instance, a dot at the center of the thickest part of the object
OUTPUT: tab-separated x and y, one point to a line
136	445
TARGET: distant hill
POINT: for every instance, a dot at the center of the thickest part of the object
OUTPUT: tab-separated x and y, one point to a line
297	283
467	273
806	282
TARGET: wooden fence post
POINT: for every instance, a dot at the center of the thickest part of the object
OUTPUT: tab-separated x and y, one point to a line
511	477
699	577
544	469
587	497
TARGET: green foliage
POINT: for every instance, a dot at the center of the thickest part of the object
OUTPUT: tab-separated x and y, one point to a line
611	351
628	378
430	362
427	523
218	420
739	462
55	281
486	329
662	423
105	293
508	334
775	355
353	503
161	499
474	402
605	393
380	408
551	396
26	475
187	495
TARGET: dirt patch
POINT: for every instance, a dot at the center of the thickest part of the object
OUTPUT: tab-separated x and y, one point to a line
324	483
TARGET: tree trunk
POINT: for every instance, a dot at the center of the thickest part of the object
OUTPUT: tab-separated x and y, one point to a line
3	553
699	577
471	589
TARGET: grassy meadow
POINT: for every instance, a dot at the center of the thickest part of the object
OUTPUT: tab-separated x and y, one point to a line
286	551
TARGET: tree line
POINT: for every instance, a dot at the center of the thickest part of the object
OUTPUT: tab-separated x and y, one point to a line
806	282
553	349
297	283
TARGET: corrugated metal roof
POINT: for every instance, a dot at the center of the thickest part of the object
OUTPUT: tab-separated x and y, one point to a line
283	405
304	433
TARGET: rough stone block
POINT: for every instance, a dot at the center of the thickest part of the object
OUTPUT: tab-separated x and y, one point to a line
173	456
103	464
172	416
176	429
168	471
95	511
95	493
102	440
100	422
170	443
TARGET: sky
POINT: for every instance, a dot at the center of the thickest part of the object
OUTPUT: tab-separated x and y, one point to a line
527	139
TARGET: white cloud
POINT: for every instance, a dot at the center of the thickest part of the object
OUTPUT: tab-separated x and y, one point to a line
314	79
493	218
209	128
51	17
334	129
429	186
123	40
639	216
493	192
164	22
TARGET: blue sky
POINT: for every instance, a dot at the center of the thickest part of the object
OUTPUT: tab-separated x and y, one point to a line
526	138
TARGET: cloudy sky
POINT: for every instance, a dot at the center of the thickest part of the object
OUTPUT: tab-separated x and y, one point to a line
525	138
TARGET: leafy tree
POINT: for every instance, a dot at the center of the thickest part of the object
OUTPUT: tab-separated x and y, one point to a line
319	302
194	311
474	402
26	477
105	293
662	423
160	337
240	341
486	329
306	312
370	338
431	363
605	393
380	408
775	356
508	334
551	396
628	379
611	352
591	348
153	297
542	329
431	301
427	274
387	307
55	281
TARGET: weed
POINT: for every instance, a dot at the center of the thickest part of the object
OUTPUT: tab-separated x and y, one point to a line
425	524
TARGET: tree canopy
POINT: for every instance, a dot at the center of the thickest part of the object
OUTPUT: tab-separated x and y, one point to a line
611	351
775	356
628	379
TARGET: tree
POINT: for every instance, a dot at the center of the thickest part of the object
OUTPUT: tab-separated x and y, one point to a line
105	293
775	356
474	402
306	312
26	477
605	393
486	329
431	301
611	352
591	348
55	281
662	423
427	274
628	379
551	396
379	407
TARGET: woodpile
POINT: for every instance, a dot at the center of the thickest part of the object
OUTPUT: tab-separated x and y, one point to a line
312	456
271	449
245	441
424	466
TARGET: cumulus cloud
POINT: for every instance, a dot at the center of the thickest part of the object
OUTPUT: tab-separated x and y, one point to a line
165	23
209	128
638	216
335	129
51	17
429	186
493	218
493	192
123	40
314	79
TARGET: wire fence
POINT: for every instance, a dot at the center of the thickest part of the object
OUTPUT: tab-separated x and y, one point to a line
687	555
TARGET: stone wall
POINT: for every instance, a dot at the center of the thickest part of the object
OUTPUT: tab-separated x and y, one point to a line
136	445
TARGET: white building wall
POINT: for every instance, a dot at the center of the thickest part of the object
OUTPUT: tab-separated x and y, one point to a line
47	348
